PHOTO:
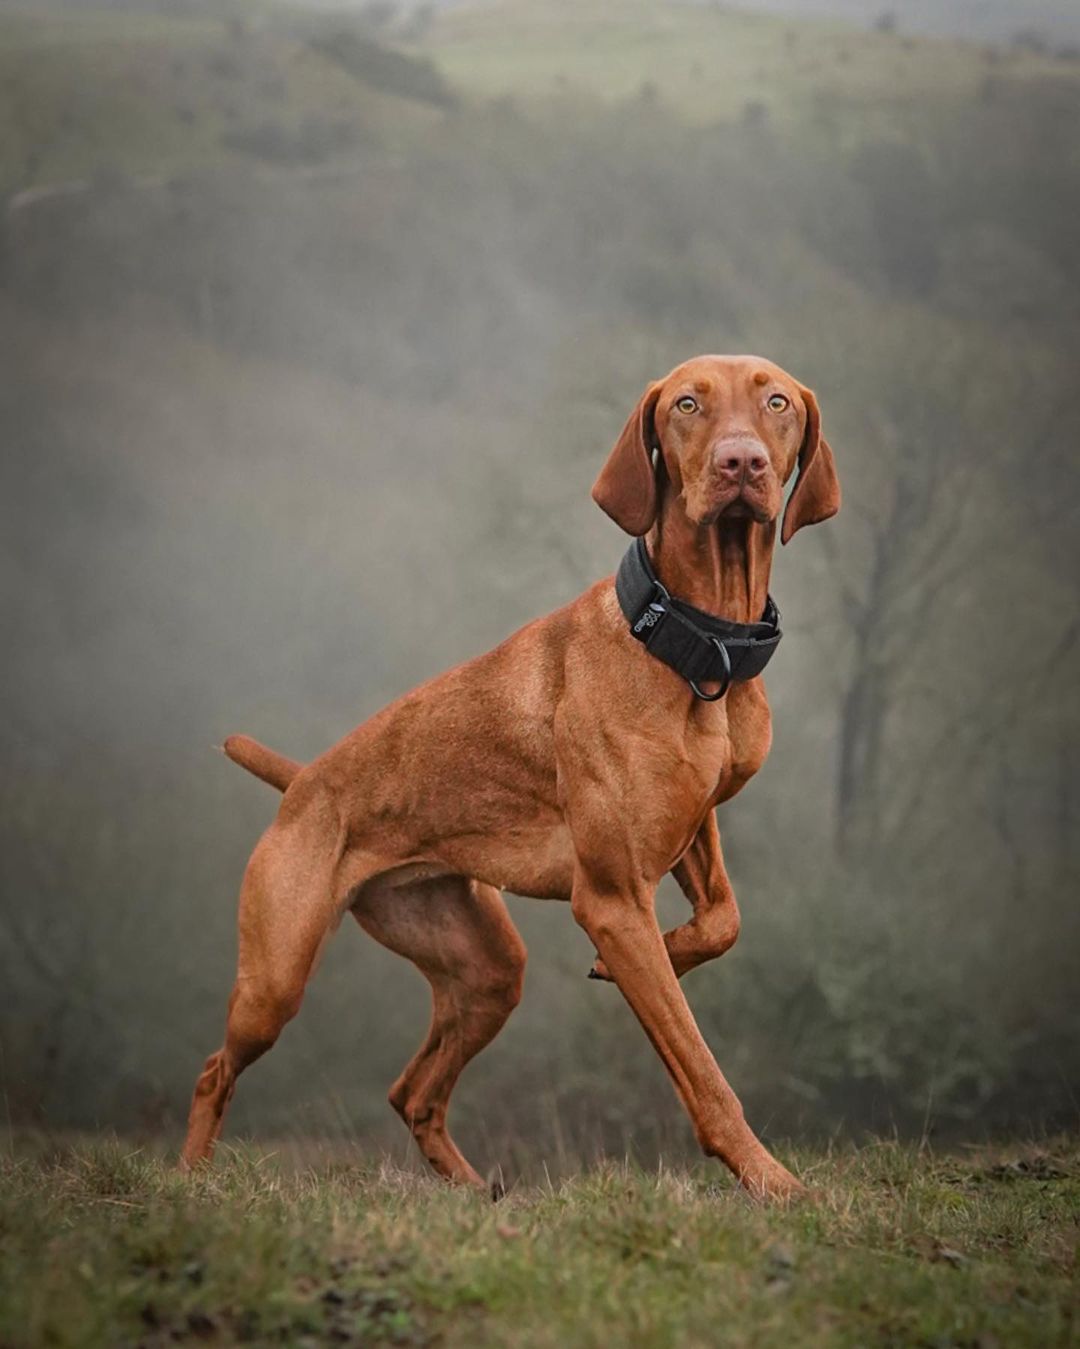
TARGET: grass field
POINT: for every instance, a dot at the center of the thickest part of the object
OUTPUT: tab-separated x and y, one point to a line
101	1244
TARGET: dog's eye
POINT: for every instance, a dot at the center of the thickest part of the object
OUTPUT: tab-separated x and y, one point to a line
686	404
777	403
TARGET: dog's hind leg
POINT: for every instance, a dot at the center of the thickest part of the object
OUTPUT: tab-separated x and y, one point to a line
460	936
287	912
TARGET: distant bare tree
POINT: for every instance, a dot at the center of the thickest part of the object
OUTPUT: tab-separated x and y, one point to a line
916	623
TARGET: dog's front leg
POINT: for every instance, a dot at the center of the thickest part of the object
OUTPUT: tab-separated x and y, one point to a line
621	923
715	922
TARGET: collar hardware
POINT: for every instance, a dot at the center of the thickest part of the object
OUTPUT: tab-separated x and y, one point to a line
725	683
696	645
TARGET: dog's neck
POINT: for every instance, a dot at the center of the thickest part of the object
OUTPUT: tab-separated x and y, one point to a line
722	568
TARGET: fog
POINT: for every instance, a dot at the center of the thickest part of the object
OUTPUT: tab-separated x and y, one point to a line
315	331
975	20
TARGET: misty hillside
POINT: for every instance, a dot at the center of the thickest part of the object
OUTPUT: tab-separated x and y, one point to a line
315	330
1052	21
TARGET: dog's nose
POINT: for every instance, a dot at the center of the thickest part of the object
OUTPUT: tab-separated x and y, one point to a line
740	459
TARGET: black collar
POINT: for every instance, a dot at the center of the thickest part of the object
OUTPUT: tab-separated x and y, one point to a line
697	645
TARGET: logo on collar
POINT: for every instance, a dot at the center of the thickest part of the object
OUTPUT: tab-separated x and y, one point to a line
649	619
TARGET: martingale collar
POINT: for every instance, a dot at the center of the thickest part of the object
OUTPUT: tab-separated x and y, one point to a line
697	645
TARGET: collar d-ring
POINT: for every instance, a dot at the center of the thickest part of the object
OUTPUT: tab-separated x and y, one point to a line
725	680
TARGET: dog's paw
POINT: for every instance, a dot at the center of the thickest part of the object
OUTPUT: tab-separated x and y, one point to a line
775	1185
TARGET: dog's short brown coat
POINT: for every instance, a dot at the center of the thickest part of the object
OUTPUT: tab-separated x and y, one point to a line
567	763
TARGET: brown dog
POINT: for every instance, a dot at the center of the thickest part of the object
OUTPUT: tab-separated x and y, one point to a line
568	763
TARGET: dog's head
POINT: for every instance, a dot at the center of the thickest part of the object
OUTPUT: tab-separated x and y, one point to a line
727	432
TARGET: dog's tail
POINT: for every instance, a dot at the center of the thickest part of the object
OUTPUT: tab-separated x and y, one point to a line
276	769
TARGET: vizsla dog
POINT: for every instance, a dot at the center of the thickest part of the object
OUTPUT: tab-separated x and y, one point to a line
580	760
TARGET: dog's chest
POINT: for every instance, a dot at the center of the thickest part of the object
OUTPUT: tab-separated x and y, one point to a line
734	744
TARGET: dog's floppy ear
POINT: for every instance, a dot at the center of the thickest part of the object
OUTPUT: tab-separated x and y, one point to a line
816	494
626	488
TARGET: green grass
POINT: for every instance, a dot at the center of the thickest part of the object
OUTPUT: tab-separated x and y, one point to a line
100	1244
